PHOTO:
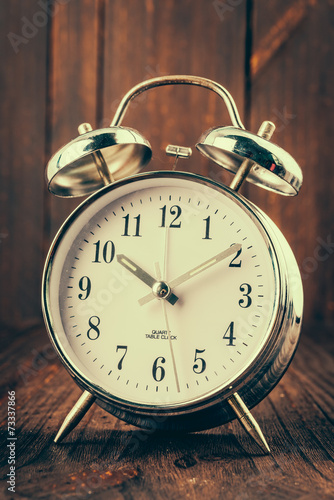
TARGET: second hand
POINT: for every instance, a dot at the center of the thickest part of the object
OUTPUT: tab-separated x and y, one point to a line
163	304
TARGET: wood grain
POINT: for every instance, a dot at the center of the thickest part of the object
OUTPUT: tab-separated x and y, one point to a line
175	39
22	134
106	458
294	90
73	85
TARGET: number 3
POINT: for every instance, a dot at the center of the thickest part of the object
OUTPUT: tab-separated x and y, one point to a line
243	288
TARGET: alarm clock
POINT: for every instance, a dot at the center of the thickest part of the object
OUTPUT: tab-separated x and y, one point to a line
173	301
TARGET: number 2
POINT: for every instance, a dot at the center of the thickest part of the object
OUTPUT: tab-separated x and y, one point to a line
236	264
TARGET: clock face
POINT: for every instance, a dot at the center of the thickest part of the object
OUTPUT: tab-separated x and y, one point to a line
116	335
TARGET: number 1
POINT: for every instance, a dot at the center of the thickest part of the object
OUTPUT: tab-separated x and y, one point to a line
207	229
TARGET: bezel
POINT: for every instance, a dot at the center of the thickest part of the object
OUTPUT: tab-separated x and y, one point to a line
257	379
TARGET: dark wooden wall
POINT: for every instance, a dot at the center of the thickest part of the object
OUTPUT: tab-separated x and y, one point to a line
73	65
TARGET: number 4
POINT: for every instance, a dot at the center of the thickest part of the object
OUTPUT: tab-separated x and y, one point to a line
228	335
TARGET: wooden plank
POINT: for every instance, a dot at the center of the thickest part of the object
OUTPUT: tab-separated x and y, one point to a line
22	108
73	84
144	40
107	458
292	84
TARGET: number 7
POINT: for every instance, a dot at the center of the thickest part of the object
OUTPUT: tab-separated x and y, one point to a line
119	366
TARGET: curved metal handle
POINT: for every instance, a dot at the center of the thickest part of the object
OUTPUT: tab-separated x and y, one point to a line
179	80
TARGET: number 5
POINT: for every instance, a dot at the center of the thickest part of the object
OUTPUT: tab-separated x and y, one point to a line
196	367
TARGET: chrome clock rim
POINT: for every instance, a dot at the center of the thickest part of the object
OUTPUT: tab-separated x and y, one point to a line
138	412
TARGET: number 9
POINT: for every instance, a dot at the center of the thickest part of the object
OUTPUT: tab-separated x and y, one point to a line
85	286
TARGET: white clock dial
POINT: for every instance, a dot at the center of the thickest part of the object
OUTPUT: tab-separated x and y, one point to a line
113	332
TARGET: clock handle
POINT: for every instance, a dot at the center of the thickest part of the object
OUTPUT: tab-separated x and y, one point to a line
178	80
75	415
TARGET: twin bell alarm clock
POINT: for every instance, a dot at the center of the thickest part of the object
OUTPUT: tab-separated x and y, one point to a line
173	301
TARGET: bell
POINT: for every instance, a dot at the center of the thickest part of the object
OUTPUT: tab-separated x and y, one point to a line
273	168
96	158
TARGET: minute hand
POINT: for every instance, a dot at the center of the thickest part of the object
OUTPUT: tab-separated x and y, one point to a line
205	265
198	269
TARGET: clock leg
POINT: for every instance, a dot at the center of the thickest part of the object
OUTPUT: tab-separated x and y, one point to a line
248	421
75	415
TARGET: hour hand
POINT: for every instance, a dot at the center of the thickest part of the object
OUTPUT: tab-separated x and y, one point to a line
159	289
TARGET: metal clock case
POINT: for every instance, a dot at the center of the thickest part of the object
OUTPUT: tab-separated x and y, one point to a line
226	336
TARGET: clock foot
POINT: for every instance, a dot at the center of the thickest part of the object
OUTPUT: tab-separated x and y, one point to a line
248	421
75	415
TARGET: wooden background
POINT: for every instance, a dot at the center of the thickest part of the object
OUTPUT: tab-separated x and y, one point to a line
276	58
73	65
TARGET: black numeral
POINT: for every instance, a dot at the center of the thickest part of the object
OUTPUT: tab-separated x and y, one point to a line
93	333
126	226
108	252
236	264
245	287
174	210
85	286
207	229
199	368
158	372
120	363
229	334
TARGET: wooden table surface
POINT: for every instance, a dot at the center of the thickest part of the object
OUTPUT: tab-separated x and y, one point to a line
105	458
